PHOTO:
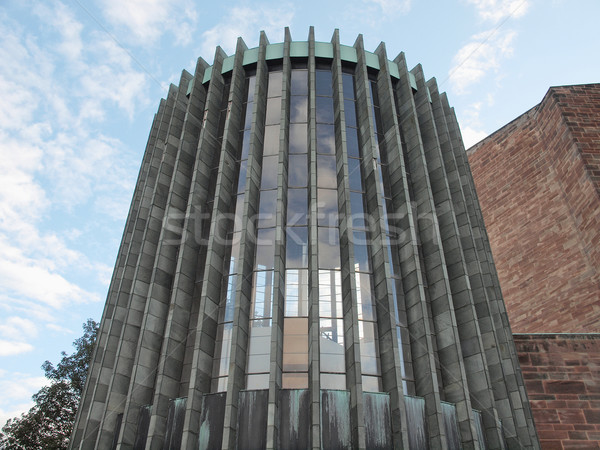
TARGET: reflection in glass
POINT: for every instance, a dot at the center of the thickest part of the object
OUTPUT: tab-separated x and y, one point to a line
326	172
327	207
354	175
329	248
323	83
294	380
299	84
371	384
350	113
273	114
325	139
245	144
297	207
359	220
364	297
235	251
297	247
262	294
275	81
265	249
257	381
298	171
268	178
267	209
271	142
352	143
251	87
330	293
295	344
333	381
298	109
241	184
296	292
348	85
298	138
229	298
223	349
324	110
361	254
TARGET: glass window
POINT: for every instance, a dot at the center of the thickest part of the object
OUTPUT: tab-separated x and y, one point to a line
238	213
223	349
350	113
268	178
330	293
348	85
299	82
296	292
297	207
229	298
257	381
333	381
359	219
219	384
324	110
329	248
265	249
364	297
267	209
297	247
323	83
295	345
294	380
298	170
273	111
325	139
245	144
248	118
262	294
298	138
371	384
271	144
298	109
326	171
352	143
241	184
251	87
354	174
275	82
331	345
361	254
327	207
235	252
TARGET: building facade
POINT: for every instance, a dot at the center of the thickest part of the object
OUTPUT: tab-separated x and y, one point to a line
538	182
304	265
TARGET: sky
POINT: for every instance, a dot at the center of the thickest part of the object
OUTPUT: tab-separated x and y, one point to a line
80	81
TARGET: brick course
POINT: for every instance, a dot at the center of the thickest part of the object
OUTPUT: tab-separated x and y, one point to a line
538	182
562	377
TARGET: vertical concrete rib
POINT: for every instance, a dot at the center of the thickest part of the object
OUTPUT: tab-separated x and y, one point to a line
276	353
241	315
391	363
419	322
476	317
349	303
114	337
314	369
200	344
511	399
115	283
129	344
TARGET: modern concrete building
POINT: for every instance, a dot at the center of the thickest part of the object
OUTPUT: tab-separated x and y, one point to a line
305	265
543	218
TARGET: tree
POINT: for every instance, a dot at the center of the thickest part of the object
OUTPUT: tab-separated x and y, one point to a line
49	422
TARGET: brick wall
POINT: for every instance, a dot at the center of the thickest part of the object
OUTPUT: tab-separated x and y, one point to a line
562	376
538	182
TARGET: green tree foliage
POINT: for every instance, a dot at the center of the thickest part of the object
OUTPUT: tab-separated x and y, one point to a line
49	422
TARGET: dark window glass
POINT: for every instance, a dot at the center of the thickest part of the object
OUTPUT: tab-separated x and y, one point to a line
354	175
271	145
352	142
297	207
275	79
327	207
265	249
262	294
298	171
248	118
297	247
296	292
324	110
326	171
269	173
359	219
251	87
298	109
350	113
299	82
267	209
329	248
298	138
348	85
245	144
323	83
325	139
273	111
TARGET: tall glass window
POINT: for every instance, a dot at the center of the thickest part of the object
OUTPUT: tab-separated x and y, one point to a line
391	240
295	323
259	345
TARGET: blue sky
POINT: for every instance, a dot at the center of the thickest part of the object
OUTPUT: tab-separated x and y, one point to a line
81	80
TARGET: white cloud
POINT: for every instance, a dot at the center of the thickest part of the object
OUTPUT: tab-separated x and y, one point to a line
472	136
392	7
18	328
148	20
11	348
245	21
17	389
496	10
484	53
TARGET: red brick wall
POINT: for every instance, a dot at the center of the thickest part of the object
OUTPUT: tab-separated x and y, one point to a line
538	184
562	376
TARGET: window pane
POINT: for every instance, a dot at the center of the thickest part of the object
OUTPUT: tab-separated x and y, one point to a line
350	113
297	207
367	333
267	209
265	249
298	109
271	144
299	82
348	85
354	174
333	381
323	82
260	381
262	294
364	297
229	298
298	171
359	219
326	171
241	184
296	292
275	79
329	248
251	86
327	207
248	118
245	144
273	111
295	345
235	252
238	213
269	172
219	384
352	142
294	381
330	293
325	139
298	138
371	384
297	247
324	110
361	254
